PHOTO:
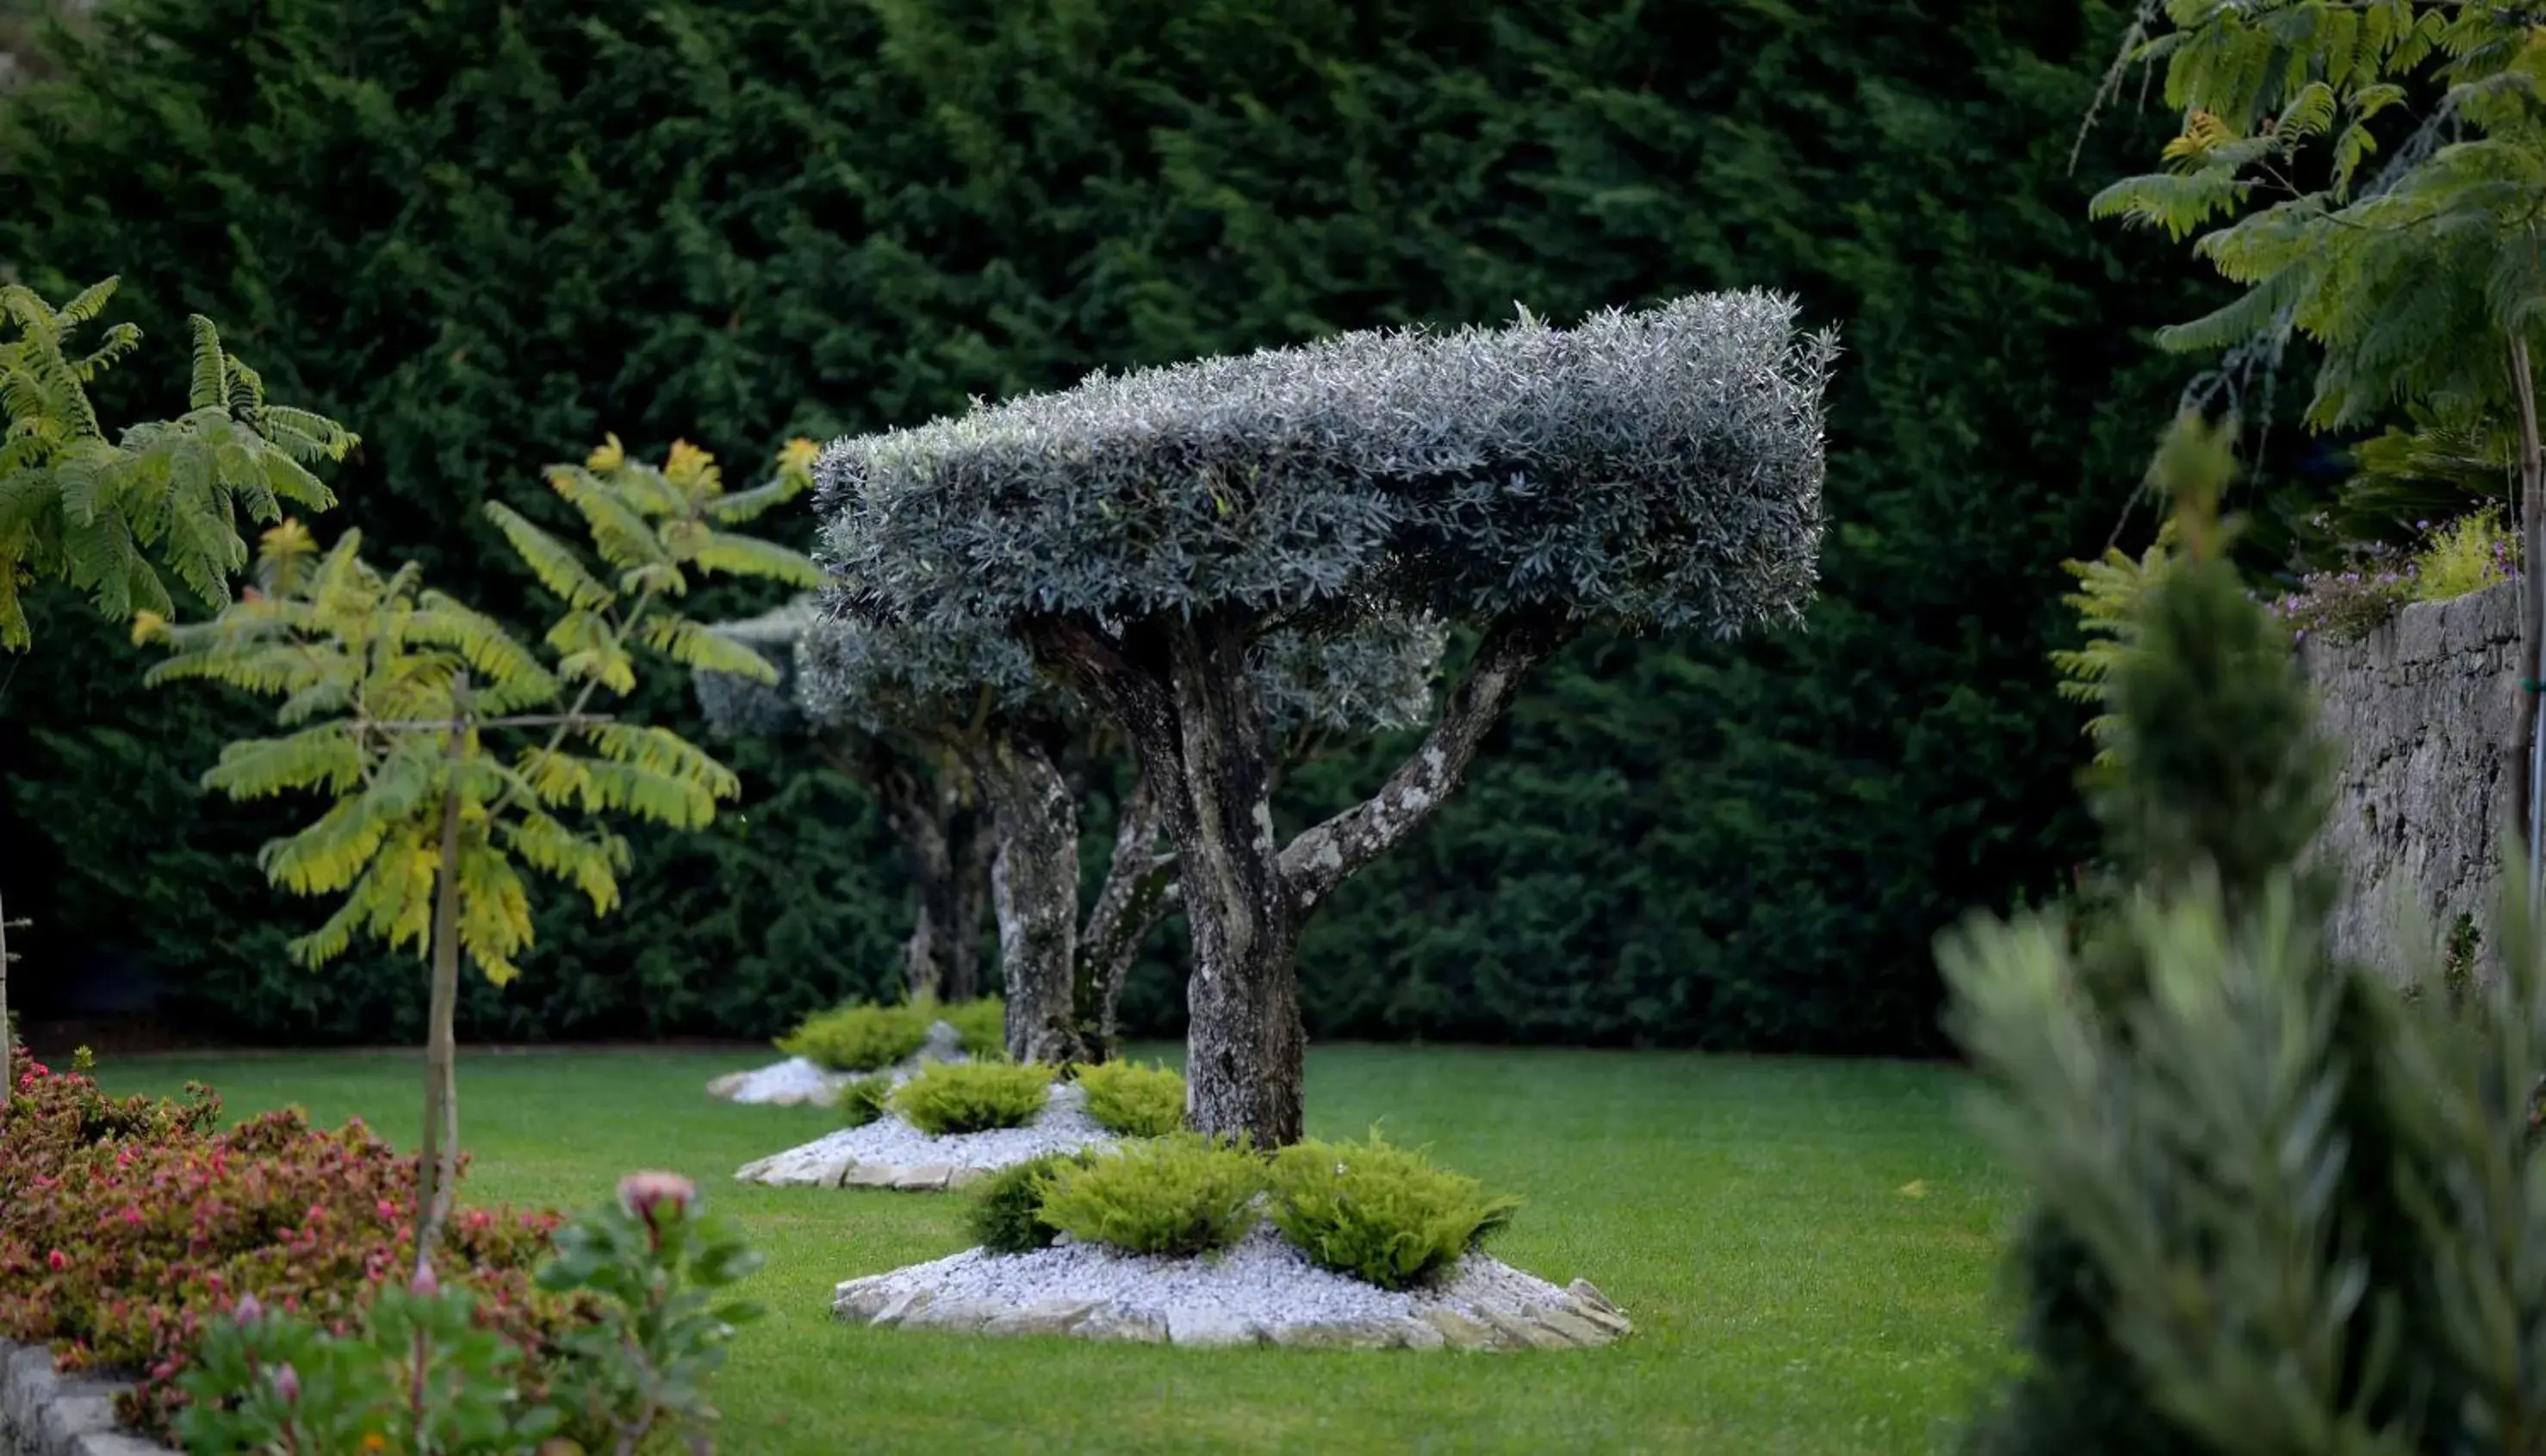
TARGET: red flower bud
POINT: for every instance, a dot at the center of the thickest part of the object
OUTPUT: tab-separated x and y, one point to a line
424	1284
287	1383
57	1261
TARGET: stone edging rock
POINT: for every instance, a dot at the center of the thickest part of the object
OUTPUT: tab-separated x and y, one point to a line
848	1172
1585	1319
44	1412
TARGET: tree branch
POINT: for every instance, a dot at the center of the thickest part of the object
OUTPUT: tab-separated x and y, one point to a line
1326	856
1135	897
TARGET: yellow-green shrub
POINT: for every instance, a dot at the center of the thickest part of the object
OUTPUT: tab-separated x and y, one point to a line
1005	1212
858	1038
1178	1194
949	1098
865	1099
1133	1101
2466	555
1381	1214
982	1025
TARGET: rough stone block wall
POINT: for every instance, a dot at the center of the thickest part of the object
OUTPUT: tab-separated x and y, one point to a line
2425	707
42	1414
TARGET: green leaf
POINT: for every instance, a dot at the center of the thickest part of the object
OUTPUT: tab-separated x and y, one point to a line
551	560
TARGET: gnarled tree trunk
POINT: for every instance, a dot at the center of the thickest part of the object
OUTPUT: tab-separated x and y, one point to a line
914	808
1034	888
1179	689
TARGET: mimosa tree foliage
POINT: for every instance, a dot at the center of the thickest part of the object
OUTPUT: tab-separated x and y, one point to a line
116	517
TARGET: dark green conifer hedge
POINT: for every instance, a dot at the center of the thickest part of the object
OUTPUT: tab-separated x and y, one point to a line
482	235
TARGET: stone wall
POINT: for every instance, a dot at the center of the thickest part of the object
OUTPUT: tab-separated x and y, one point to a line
2424	706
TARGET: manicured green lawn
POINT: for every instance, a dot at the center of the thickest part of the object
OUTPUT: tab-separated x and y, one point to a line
1809	1250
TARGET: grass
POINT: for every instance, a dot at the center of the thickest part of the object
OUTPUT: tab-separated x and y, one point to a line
1809	1250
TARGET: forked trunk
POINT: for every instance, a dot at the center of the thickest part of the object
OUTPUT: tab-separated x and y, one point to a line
1180	690
1034	885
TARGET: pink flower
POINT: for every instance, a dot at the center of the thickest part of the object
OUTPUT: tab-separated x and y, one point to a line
424	1285
57	1261
388	1210
644	1192
248	1311
287	1383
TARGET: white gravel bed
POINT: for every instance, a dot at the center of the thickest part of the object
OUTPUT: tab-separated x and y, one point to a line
1264	1290
889	1153
801	1082
790	1083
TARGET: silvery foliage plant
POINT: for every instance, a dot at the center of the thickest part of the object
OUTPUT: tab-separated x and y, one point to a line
1657	468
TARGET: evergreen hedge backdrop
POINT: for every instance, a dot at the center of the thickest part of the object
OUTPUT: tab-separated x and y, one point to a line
484	234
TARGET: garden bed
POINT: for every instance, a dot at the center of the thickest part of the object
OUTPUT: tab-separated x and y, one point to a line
889	1153
802	1082
1262	1291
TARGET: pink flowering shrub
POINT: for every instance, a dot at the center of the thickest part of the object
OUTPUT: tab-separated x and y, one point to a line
126	1223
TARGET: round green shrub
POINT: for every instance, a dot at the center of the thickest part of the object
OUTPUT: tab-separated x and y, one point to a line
1381	1214
1006	1214
982	1025
1133	1101
859	1038
951	1097
1179	1194
864	1100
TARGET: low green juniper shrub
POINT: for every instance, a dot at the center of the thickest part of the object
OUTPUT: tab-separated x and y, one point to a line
1133	1101
864	1099
859	1038
952	1098
1006	1214
1382	1214
1179	1194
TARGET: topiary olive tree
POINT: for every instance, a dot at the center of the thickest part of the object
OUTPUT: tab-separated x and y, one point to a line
970	699
946	841
1147	536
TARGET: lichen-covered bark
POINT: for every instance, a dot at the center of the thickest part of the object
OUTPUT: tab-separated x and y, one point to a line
1034	889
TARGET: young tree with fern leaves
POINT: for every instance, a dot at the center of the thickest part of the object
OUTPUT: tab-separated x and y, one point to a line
116	518
397	698
2372	174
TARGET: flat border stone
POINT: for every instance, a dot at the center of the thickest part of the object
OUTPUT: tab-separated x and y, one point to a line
44	1413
